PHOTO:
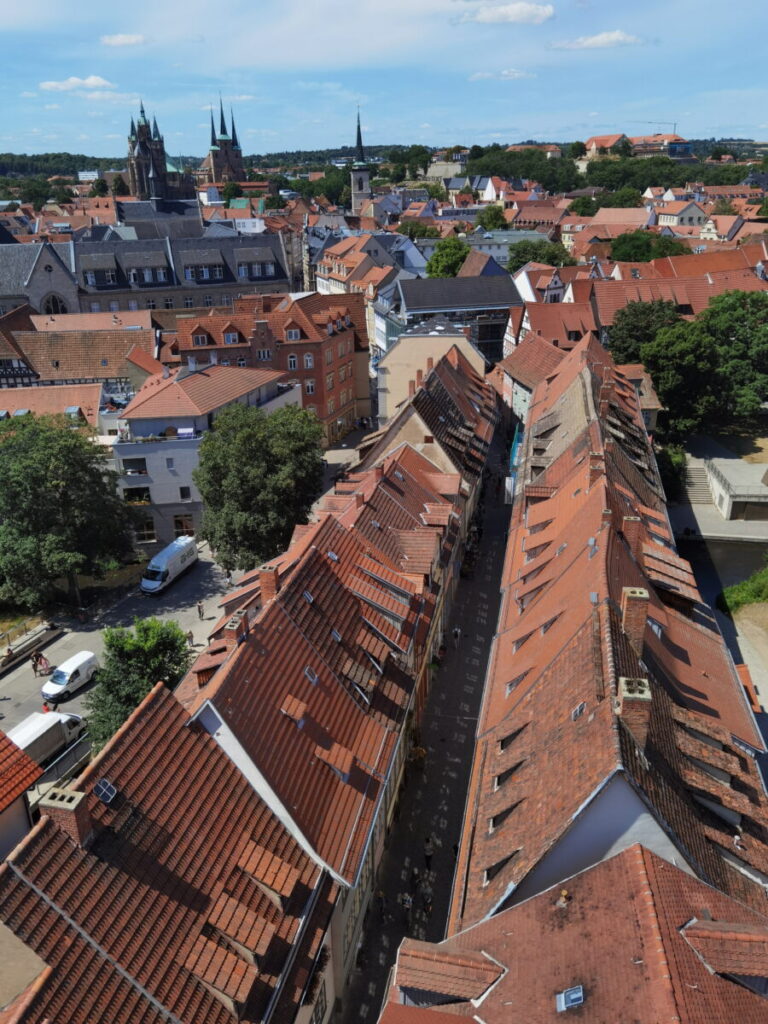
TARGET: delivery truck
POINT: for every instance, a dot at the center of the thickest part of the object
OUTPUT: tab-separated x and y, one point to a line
46	735
168	564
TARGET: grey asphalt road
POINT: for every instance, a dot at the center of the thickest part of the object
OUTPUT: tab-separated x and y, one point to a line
20	691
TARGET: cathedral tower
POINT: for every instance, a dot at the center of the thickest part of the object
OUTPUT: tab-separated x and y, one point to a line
360	177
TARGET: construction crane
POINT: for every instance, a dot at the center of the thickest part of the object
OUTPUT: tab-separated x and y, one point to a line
657	123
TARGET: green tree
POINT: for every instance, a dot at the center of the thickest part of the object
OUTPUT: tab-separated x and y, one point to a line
60	513
475	152
119	187
625	197
274	203
637	324
491	218
447	258
576	150
642	246
232	190
584	206
737	325
134	661
36	191
436	191
99	188
622	148
63	195
397	174
417	158
683	364
258	477
762	212
417	229
554	254
723	207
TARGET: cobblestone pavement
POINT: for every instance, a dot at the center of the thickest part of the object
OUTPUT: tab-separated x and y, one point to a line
433	800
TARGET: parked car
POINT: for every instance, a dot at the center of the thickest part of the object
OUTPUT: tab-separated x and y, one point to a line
69	677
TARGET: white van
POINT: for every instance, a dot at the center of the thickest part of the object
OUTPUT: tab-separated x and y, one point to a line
70	676
169	563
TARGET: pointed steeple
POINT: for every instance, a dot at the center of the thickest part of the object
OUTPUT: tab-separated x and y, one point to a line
142	115
359	151
223	134
235	143
213	132
155	129
133	130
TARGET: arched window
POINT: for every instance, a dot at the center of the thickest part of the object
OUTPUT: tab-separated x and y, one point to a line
359	184
309	361
53	304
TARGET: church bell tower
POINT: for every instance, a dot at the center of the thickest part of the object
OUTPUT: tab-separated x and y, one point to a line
360	177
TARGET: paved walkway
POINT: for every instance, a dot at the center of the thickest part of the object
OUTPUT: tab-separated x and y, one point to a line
433	800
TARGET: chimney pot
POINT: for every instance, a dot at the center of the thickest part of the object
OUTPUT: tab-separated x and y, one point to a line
634	706
359	499
411	388
378	472
269	581
634	615
606	516
430	363
419	378
69	809
236	629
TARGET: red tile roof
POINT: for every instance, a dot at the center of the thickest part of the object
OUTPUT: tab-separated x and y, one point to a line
681	944
195	393
54	401
532	361
17	772
101	355
143	921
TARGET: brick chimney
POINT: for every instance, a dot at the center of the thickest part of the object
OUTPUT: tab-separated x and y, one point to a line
269	581
430	363
631	527
69	809
606	516
596	467
359	499
236	630
378	472
419	378
634	707
634	615
411	388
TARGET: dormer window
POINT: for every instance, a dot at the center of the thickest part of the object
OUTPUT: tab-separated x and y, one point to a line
231	337
293	334
330	328
199	339
133	276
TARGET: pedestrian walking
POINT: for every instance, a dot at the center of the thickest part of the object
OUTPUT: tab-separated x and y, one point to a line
429	850
43	665
456	636
228	578
35	659
200	610
191	638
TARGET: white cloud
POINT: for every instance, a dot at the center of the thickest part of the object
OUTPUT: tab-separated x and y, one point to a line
27	95
110	97
244	98
601	41
122	39
52	106
509	75
91	82
518	13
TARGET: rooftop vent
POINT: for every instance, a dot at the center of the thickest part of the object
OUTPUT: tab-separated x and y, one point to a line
570	998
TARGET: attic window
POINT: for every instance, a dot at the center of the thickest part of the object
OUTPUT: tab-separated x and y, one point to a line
548	625
336	635
333	556
104	362
505	741
375	524
569	999
498	819
655	626
199	339
519	643
514	683
376	664
494	869
311	675
505	776
578	711
399	475
308	597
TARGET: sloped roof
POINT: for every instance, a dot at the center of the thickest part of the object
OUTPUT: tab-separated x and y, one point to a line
139	923
55	401
444	294
197	392
17	771
677	939
97	354
532	360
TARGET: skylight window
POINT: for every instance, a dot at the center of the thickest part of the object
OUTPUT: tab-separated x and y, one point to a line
578	711
336	635
308	597
311	675
333	556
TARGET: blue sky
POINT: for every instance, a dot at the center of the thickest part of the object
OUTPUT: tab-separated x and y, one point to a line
440	72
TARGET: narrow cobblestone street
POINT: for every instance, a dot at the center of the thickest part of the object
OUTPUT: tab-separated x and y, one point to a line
433	800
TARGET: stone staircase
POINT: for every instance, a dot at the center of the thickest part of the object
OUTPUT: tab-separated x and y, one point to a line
696	486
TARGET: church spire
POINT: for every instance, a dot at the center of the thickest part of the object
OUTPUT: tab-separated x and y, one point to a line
155	129
235	143
223	126
359	151
142	115
213	132
133	129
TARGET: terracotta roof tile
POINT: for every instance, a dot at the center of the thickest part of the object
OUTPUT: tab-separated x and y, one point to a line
195	393
17	772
